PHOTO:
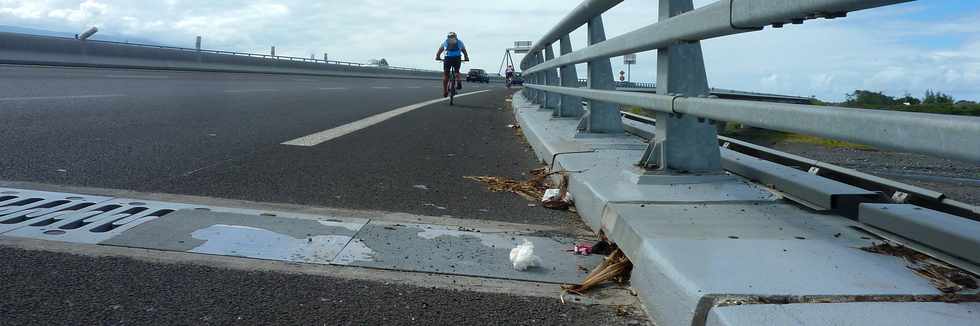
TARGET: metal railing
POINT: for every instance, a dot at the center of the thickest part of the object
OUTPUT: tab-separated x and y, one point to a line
621	84
683	105
245	54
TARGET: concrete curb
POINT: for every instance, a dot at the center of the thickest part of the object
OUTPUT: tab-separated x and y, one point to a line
718	249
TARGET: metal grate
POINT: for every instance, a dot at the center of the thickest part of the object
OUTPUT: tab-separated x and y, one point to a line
73	217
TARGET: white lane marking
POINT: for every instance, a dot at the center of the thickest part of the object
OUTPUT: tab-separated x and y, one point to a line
250	90
304	80
337	132
58	97
332	88
381	87
414	86
137	76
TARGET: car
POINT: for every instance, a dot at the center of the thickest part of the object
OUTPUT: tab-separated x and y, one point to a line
477	75
517	79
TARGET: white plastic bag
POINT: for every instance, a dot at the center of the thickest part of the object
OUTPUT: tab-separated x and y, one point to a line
523	256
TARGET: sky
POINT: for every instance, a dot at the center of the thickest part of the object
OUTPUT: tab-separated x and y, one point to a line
909	47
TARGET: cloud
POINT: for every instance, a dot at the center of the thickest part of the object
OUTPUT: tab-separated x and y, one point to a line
904	48
86	12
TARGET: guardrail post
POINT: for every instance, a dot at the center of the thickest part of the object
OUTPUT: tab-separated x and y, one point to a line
529	78
682	143
551	101
571	106
602	117
537	96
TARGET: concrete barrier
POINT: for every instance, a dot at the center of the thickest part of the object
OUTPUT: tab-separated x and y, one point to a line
56	51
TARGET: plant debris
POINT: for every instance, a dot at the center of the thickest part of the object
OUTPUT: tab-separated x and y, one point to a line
531	189
615	268
945	278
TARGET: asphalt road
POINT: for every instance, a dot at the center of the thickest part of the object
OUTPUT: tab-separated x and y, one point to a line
220	135
43	288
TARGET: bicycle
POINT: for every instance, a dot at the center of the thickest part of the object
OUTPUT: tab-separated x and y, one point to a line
453	72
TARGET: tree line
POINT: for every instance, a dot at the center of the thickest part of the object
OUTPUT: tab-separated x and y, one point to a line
931	102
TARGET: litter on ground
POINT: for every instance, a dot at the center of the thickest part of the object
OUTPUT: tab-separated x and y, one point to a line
583	249
556	199
522	256
615	268
531	189
945	278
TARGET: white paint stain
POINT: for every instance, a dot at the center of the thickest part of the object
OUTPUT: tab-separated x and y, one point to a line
352	226
252	242
355	251
492	241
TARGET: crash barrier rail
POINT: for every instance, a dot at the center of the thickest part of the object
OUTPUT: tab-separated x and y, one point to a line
684	105
621	84
69	48
896	191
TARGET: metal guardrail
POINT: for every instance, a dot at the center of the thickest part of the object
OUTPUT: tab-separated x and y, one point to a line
244	54
621	84
895	191
687	109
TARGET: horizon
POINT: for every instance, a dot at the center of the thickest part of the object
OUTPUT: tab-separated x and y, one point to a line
904	48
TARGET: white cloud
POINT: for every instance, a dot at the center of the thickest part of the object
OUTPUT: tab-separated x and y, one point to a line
880	50
86	12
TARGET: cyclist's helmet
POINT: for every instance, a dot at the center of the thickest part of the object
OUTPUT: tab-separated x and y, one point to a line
451	35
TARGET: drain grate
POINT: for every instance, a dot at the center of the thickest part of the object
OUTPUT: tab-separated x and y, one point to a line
73	217
19	208
88	219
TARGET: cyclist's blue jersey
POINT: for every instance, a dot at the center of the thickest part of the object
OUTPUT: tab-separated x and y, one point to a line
454	52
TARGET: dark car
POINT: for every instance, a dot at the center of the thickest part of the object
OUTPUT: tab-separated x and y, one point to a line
517	79
477	75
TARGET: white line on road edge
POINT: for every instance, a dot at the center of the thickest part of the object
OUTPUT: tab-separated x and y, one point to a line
250	90
58	97
337	132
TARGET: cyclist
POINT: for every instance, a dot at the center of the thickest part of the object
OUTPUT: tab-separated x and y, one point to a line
454	49
509	72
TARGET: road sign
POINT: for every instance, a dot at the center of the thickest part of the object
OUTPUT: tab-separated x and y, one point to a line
629	59
521	47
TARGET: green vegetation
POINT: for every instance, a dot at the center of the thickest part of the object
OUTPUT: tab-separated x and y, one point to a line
770	137
932	102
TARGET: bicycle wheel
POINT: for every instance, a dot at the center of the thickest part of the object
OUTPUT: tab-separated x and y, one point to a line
452	86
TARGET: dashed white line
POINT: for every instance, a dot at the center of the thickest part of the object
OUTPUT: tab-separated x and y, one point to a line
337	132
381	87
414	86
35	98
250	90
332	88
